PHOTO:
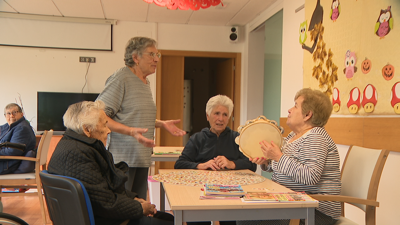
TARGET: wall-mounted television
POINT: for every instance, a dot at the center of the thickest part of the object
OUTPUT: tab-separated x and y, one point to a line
51	107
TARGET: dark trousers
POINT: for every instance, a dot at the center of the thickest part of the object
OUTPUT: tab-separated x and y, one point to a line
137	181
160	218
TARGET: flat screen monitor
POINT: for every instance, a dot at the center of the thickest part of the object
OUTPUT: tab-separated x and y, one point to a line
51	107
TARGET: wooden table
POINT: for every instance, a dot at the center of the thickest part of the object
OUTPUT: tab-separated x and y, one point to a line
186	205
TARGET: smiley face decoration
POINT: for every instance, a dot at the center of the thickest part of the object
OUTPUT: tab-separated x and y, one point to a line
366	66
388	72
384	24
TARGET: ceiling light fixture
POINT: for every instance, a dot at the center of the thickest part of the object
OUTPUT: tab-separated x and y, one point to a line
185	4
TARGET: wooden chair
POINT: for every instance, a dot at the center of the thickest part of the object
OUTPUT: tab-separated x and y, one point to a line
361	173
28	180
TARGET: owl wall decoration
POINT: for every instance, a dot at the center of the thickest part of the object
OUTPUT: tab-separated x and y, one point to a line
303	32
384	24
350	64
335	10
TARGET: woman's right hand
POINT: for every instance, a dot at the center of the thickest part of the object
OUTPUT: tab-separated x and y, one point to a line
210	164
259	161
148	208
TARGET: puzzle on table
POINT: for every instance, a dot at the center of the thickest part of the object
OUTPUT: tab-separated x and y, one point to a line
201	177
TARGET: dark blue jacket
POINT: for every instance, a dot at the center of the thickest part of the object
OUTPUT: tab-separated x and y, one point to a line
206	145
19	132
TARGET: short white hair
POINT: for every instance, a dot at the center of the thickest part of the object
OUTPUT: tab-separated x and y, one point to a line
85	113
217	101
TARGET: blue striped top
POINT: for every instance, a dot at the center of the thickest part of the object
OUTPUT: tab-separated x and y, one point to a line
311	164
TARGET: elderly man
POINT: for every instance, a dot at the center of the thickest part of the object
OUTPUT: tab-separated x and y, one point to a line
16	130
81	154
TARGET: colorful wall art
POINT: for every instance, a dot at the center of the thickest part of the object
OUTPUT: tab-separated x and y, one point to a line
352	53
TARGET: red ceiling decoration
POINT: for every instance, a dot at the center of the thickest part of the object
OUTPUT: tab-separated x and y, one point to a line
185	4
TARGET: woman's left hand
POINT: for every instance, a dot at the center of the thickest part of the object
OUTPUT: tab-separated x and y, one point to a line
271	150
169	125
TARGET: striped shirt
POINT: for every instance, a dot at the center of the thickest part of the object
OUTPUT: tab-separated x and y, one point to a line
129	101
311	164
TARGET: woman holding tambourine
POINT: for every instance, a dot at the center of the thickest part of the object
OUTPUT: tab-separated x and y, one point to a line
308	159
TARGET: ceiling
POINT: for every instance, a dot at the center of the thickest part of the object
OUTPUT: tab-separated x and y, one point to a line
232	12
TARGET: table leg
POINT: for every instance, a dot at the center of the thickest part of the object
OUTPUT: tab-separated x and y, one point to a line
178	217
162	197
310	220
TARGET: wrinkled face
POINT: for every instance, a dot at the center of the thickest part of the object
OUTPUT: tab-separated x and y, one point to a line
295	117
102	130
147	63
218	119
12	115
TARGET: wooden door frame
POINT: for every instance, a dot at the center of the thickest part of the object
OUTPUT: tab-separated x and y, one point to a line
237	80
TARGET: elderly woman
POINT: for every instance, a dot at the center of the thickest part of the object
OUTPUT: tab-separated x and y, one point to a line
16	130
130	107
309	160
215	148
81	154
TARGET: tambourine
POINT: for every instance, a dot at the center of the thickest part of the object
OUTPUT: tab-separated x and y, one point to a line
255	131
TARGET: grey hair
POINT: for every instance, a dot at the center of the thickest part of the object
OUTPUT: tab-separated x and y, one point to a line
137	45
318	103
219	100
12	105
85	113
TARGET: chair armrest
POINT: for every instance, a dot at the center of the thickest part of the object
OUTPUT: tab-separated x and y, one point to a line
346	199
19	158
13	145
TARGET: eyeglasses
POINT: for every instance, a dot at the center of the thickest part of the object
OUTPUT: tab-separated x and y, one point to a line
13	113
153	54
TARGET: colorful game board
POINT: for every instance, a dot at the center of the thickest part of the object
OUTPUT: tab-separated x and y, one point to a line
201	177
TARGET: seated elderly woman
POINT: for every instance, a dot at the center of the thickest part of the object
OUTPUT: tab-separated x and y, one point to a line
309	160
215	148
16	130
81	154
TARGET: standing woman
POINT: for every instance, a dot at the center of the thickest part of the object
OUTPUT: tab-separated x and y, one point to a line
132	112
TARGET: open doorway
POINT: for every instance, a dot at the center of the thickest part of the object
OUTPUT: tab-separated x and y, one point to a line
209	73
203	79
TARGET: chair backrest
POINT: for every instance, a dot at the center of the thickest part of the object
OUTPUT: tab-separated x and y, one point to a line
67	200
361	173
43	147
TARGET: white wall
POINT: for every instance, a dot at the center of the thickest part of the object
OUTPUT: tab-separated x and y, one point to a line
25	71
28	70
